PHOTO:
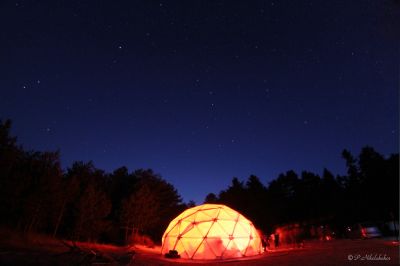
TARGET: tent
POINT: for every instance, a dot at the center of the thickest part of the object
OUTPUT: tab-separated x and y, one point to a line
211	231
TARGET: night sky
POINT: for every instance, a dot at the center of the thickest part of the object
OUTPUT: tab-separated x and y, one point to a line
202	91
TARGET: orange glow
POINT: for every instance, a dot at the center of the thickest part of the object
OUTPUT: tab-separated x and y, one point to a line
211	231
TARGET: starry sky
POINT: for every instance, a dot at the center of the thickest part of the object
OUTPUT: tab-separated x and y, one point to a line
202	91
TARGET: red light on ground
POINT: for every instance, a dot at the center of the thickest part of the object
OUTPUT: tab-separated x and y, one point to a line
364	232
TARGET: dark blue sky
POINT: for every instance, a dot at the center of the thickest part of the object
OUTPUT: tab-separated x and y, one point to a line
201	91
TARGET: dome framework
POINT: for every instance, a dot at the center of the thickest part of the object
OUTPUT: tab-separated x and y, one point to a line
211	231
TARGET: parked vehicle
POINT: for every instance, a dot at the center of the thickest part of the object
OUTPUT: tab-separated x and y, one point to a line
369	230
363	230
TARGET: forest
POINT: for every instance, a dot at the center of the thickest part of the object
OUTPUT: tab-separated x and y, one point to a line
84	203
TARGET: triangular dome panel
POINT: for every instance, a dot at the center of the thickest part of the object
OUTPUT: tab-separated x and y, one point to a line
211	231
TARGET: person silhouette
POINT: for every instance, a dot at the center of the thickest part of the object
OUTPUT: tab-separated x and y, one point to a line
276	240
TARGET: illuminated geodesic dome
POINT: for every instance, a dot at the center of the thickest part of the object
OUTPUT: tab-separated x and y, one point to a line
211	231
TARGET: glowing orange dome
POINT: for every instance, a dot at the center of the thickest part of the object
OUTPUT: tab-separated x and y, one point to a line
211	231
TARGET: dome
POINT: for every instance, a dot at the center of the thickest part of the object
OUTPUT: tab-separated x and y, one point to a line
211	231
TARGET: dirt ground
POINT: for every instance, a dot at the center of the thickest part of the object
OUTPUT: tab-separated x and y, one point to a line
334	252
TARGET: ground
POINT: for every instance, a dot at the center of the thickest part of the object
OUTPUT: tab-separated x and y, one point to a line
46	251
335	252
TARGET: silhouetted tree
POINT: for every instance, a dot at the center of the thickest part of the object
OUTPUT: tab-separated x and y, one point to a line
233	196
88	204
255	198
331	195
151	206
12	176
67	193
282	195
190	204
92	209
91	205
140	211
211	198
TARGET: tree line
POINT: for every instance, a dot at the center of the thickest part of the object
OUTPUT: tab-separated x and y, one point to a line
369	192
85	203
82	203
